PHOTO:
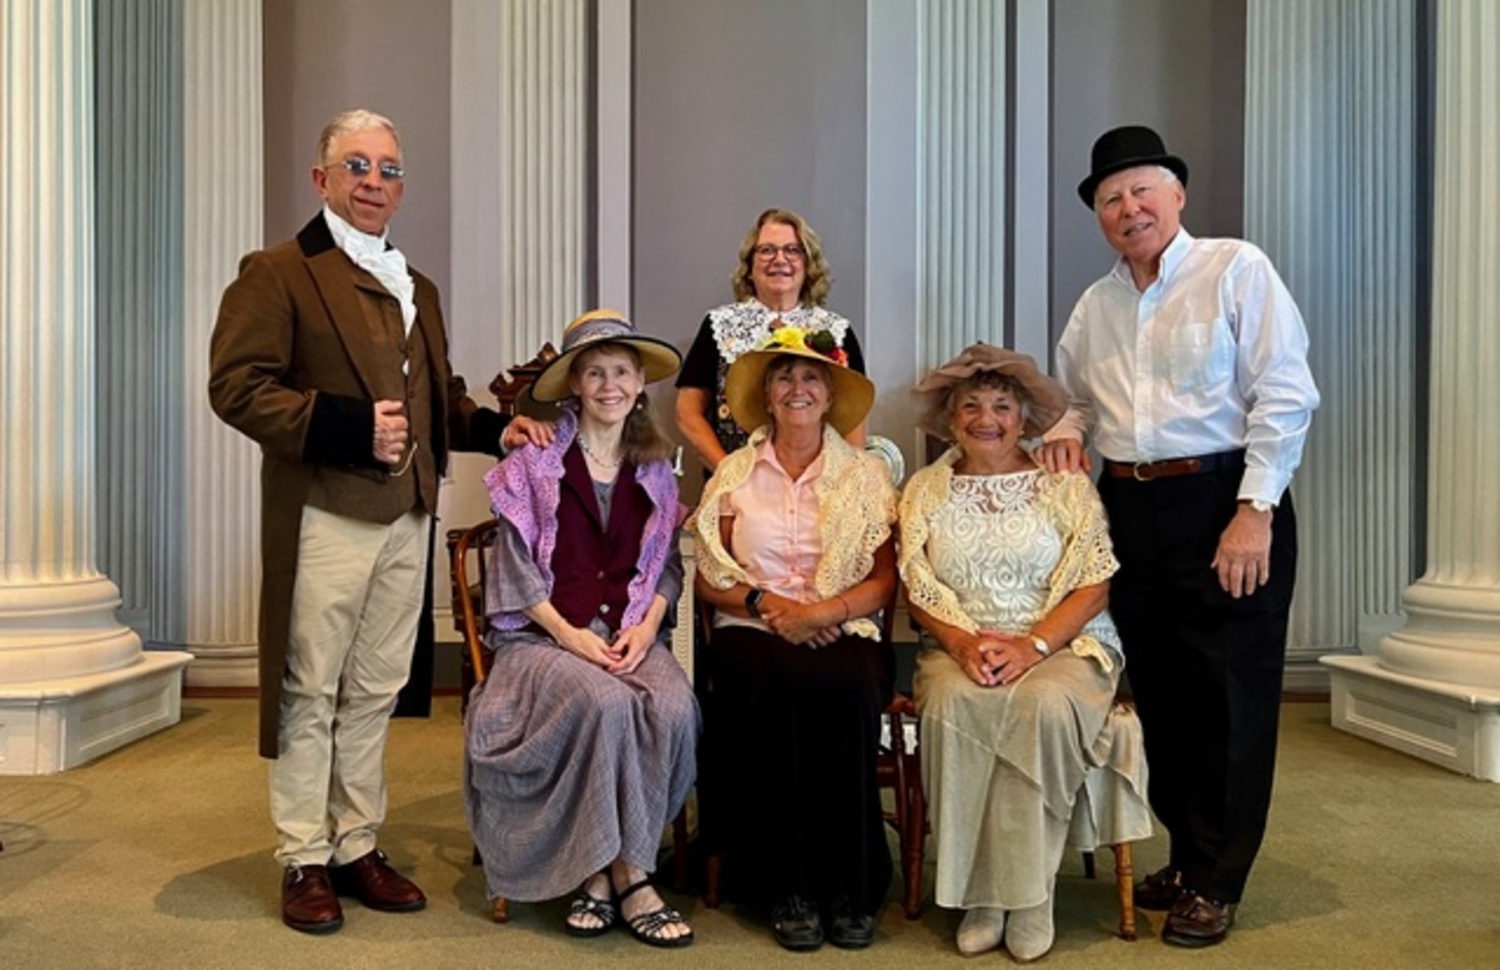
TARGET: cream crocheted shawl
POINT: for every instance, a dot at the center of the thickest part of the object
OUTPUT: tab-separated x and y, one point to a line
856	508
1087	558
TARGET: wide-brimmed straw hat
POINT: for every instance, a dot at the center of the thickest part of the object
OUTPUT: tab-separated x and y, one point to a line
596	329
1046	399
1127	147
745	384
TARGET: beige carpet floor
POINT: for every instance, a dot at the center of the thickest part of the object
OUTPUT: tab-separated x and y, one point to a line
159	856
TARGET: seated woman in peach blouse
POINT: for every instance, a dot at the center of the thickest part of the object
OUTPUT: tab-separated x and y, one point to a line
795	553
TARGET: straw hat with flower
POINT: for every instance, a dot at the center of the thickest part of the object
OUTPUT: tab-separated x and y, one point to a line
745	384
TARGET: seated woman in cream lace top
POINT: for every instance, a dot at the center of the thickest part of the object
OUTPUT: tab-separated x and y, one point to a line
1007	571
795	553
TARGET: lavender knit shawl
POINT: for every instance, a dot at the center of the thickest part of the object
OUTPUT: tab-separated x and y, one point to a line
525	489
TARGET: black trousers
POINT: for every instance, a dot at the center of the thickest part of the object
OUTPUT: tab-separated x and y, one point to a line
787	762
1205	668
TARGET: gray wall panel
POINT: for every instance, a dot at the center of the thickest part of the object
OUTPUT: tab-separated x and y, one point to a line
741	106
1176	65
390	56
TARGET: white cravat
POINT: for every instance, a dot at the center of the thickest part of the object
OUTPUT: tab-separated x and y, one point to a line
373	255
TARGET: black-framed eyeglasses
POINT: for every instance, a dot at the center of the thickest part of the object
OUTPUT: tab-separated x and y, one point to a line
794	252
359	167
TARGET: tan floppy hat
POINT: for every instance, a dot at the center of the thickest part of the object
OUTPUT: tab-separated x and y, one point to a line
595	329
1047	399
745	384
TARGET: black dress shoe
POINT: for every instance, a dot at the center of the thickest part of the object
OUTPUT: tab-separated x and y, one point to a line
1160	890
1197	920
796	925
372	881
308	902
851	931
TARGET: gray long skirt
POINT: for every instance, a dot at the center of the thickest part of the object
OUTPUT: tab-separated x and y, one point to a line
1002	766
570	767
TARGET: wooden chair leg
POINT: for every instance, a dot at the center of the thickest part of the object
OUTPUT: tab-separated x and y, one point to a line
501	911
712	869
1125	880
1088	865
914	851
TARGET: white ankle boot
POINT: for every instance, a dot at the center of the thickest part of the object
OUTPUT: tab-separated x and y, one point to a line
981	930
1029	932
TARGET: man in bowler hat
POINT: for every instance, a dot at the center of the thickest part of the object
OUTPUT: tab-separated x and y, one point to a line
1187	362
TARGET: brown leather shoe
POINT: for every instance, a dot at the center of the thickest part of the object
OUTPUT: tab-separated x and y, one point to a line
1160	890
308	902
1197	920
372	881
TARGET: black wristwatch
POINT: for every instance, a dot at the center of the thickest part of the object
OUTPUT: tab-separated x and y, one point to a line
752	602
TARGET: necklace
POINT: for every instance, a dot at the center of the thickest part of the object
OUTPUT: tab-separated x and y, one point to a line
603	462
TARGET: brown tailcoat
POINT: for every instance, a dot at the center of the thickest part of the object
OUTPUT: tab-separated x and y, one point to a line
303	347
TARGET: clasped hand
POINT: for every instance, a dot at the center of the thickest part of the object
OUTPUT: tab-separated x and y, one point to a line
993	658
622	656
800	623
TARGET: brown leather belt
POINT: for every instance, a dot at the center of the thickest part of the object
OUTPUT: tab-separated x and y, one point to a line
1146	471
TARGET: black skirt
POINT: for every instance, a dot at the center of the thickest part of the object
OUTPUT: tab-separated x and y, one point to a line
787	768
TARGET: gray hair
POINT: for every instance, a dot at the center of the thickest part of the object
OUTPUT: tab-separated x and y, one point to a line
349	122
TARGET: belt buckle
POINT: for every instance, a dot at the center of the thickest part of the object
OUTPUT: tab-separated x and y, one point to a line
1135	471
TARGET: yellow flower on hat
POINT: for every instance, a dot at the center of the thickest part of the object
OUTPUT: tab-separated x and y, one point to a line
790	337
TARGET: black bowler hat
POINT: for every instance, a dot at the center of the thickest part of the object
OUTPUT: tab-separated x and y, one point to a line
1127	147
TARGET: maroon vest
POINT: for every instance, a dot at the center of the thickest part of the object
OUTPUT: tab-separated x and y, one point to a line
592	566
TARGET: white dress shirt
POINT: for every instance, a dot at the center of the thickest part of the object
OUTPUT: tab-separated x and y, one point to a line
1211	357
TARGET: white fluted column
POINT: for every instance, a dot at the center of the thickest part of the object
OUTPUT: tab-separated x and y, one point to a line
961	160
1343	237
74	682
521	212
1435	691
223	206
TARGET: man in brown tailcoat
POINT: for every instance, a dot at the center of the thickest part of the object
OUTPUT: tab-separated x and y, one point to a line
331	354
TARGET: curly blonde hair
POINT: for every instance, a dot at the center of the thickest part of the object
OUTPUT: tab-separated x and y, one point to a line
817	281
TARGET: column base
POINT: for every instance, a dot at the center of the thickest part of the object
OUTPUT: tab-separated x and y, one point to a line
51	726
1450	725
1305	673
218	667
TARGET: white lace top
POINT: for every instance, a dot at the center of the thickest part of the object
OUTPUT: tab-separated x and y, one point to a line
741	327
1001	551
995	548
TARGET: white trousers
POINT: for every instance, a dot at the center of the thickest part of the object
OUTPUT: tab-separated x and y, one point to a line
357	599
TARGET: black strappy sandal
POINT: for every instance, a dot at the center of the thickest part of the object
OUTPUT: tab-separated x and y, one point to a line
606	911
647	927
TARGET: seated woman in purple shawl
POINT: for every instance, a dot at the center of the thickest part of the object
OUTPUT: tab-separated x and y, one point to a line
582	740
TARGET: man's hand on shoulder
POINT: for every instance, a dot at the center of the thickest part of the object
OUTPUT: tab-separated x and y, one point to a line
1243	559
1063	455
522	429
